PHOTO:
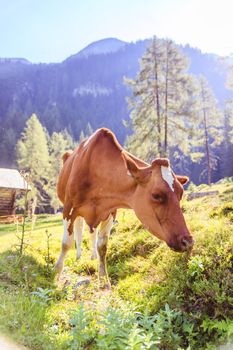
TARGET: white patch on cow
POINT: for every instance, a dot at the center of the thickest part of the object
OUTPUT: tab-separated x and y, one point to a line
93	237
167	176
89	139
66	245
79	225
66	236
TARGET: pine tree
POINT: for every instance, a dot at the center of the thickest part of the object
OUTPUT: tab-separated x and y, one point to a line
179	98
229	81
89	130
209	128
8	139
229	104
145	103
33	157
226	164
81	137
226	148
162	102
59	143
84	134
227	151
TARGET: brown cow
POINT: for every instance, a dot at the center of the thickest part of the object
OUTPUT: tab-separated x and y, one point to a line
99	177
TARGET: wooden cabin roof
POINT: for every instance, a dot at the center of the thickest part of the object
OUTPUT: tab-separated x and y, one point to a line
11	178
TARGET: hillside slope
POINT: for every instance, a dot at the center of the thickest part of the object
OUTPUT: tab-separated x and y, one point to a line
159	299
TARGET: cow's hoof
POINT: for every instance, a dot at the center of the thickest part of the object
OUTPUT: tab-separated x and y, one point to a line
104	284
78	254
58	270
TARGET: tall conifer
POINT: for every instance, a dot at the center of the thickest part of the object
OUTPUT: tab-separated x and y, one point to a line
209	128
33	157
162	102
59	143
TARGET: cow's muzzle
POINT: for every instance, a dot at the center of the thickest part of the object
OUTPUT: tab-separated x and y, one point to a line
183	244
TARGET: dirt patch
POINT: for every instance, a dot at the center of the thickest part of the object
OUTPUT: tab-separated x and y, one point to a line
7	344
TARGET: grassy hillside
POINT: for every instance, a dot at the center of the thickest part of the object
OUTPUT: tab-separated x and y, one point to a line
159	299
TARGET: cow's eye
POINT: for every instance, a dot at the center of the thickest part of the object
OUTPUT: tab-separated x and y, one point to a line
158	198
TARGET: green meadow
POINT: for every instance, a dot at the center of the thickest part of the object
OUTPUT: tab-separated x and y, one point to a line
159	299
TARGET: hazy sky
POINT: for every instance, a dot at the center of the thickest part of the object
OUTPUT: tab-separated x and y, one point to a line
52	30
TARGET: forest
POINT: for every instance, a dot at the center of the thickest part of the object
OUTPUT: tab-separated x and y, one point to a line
68	101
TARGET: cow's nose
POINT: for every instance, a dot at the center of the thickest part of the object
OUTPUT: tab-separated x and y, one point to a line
187	243
181	244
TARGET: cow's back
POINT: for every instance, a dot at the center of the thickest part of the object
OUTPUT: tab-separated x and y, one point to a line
90	169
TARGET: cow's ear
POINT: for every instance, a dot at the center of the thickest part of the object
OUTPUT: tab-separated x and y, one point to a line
182	179
161	162
141	175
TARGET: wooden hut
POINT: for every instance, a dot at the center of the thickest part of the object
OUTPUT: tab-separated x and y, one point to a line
11	184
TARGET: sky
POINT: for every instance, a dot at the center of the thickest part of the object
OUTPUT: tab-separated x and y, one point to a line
52	30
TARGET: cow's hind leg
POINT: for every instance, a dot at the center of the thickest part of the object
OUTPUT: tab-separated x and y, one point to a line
79	225
67	242
102	242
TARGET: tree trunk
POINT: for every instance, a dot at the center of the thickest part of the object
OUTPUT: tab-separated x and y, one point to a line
157	107
166	108
207	149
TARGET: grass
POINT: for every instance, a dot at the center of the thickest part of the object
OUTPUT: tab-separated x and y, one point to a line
159	299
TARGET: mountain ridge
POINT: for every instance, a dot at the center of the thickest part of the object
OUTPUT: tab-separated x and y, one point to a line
102	46
95	48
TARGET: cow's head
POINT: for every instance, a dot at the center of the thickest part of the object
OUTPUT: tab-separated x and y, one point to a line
156	202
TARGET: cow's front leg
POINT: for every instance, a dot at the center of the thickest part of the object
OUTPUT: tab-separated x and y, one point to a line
93	236
79	225
102	242
67	242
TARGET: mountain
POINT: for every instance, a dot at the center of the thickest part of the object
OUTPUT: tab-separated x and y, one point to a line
85	88
103	46
14	60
